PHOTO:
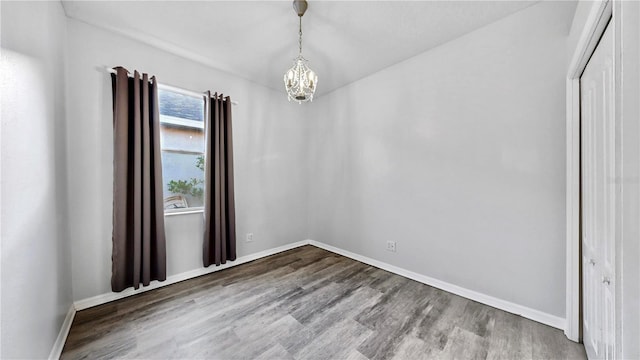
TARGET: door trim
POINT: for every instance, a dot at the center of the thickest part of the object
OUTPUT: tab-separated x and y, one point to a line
599	16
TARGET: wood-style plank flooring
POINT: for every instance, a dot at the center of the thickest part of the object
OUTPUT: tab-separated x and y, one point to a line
308	303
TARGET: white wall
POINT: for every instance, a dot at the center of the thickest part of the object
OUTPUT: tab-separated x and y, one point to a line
458	155
629	231
269	155
629	253
36	269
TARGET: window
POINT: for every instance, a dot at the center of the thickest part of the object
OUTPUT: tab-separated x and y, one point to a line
182	143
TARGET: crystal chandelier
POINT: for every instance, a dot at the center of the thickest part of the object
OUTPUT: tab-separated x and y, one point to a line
300	81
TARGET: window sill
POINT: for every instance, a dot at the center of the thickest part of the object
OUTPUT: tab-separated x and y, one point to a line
187	211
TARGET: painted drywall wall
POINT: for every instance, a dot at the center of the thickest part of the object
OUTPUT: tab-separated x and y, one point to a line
629	251
456	154
36	267
269	157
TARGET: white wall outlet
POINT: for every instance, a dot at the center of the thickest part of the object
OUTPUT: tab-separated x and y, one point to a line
391	246
249	237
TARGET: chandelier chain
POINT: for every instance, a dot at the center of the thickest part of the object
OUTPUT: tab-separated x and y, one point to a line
300	35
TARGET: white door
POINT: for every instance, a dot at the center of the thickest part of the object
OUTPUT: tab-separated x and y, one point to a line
598	198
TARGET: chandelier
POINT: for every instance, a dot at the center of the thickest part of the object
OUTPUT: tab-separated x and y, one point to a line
300	81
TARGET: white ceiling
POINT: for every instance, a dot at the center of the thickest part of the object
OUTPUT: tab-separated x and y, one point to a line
343	40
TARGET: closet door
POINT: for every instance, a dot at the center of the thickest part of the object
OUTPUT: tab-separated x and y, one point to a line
598	199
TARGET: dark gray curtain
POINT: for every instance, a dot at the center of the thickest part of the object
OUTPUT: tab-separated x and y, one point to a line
219	204
139	250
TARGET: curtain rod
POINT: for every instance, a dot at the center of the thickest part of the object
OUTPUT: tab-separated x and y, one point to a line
173	88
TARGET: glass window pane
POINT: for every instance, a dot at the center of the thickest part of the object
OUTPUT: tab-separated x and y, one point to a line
182	142
181	138
183	178
180	106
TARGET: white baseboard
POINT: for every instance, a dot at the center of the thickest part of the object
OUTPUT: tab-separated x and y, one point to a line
108	297
529	313
56	351
535	315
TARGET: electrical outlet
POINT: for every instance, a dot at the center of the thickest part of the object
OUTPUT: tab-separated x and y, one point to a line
391	246
249	237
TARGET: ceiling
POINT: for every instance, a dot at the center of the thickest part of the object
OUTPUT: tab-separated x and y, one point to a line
343	40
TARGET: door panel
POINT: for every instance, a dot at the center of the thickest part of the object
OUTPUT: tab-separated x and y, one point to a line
598	200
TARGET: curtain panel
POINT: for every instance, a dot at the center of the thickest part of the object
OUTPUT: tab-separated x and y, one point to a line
219	205
139	249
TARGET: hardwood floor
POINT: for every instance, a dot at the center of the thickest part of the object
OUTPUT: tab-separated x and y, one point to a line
308	303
